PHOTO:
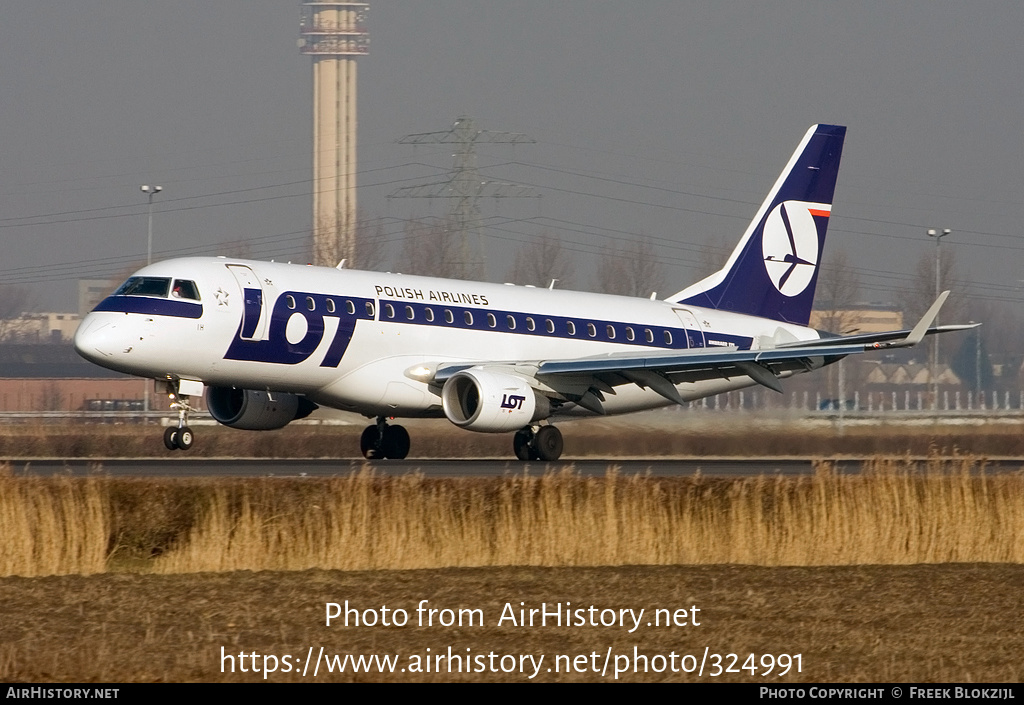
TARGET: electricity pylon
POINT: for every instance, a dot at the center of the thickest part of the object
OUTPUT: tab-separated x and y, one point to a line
464	186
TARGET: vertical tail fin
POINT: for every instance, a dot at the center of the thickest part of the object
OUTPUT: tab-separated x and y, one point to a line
774	269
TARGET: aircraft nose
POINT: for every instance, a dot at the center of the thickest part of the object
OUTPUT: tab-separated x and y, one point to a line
94	339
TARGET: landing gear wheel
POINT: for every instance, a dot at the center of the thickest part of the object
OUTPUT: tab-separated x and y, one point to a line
547	443
382	441
521	444
368	443
171	438
179	437
184	438
395	443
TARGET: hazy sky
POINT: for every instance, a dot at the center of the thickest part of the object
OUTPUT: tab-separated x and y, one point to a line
667	120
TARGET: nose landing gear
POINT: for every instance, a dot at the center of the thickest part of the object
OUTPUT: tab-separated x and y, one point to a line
180	438
381	441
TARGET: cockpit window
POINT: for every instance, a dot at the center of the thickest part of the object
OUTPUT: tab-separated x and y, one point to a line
145	286
185	289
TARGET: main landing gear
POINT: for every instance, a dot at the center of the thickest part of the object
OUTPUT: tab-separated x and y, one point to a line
179	438
383	441
380	441
538	443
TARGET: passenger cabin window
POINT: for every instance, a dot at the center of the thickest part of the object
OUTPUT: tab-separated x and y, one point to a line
144	286
530	325
570	327
591	330
610	330
511	320
410	313
369	309
185	289
449	317
350	308
468	317
428	313
491	320
389	310
549	325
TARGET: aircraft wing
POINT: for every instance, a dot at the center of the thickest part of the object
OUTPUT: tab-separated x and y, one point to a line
585	380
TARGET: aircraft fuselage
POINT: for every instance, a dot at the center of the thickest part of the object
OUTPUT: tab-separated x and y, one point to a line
351	339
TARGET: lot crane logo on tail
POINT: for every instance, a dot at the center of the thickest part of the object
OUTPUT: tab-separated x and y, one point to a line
791	245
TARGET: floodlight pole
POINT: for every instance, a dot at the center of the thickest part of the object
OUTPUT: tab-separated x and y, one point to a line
938	235
150	191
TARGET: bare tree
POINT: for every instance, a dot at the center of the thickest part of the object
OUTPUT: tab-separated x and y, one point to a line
922	289
340	239
14	301
371	251
429	249
999	341
540	262
51	397
712	257
329	244
237	248
631	271
837	292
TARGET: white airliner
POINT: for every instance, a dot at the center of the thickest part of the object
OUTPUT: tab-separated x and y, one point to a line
271	342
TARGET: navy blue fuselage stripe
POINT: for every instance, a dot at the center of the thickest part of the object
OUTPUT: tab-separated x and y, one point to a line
682	338
156	307
315	308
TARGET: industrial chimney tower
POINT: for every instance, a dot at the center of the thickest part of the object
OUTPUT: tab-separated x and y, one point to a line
333	33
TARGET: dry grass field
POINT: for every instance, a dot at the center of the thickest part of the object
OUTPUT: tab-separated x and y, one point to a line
891	513
891	575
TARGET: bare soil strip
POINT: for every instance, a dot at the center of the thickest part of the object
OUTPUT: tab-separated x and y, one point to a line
938	623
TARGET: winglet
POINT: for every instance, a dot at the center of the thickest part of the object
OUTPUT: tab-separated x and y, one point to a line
918	332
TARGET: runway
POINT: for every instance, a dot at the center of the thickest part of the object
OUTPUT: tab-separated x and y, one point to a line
208	467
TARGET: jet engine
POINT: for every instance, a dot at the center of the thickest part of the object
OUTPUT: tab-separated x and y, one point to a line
478	399
253	410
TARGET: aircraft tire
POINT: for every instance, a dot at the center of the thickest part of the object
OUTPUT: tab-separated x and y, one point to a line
521	444
368	443
171	438
547	443
395	444
184	438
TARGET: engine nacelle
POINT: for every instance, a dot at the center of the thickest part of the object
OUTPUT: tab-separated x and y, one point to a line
253	410
492	402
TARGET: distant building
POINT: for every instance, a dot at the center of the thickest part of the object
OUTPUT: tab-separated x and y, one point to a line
91	292
909	374
863	318
40	328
